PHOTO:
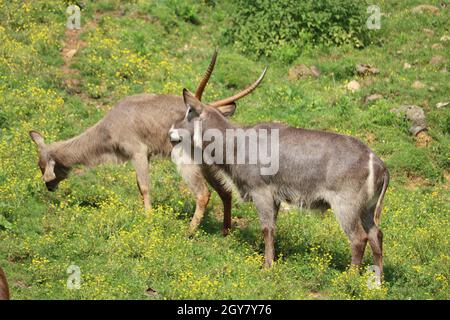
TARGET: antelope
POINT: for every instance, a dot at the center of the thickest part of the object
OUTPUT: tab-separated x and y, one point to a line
4	290
136	129
315	169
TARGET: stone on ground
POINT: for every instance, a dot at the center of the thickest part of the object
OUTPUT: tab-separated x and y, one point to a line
353	86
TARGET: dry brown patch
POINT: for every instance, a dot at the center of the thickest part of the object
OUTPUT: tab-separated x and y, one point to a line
236	222
21	284
317	295
370	138
239	222
423	139
447	178
415	181
72	44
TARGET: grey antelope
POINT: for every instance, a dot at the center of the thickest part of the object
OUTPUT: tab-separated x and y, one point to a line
136	129
4	289
316	169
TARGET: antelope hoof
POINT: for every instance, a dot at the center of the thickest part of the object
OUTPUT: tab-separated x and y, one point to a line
225	231
147	206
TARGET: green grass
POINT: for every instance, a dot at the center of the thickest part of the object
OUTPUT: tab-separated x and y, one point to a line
96	221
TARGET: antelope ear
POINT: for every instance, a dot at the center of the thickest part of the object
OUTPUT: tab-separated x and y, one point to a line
192	102
49	173
227	110
37	138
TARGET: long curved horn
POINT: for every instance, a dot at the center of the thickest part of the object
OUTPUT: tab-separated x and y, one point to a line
241	94
204	82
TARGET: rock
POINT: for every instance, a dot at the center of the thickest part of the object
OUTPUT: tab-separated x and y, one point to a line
415	115
151	292
372	97
441	105
70	53
437	60
418	85
428	31
302	71
445	38
437	46
364	69
315	71
353	86
406	66
425	8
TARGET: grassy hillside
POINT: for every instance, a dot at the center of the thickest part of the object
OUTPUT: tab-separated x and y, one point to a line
60	83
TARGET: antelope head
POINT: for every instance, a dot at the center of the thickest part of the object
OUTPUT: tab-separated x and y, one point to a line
52	171
196	110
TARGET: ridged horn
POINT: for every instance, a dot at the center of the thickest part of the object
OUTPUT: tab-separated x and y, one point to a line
241	94
206	76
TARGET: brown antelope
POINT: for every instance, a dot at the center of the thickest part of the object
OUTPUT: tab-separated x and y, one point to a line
136	129
311	168
4	289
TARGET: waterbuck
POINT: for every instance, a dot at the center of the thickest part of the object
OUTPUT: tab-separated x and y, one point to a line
4	290
313	169
136	129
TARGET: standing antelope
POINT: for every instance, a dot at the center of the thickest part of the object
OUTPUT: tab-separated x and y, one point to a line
135	129
4	290
314	168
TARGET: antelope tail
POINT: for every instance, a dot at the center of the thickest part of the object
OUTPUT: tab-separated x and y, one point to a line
379	206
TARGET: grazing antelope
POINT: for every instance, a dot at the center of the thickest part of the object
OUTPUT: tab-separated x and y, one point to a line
4	290
136	129
312	168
